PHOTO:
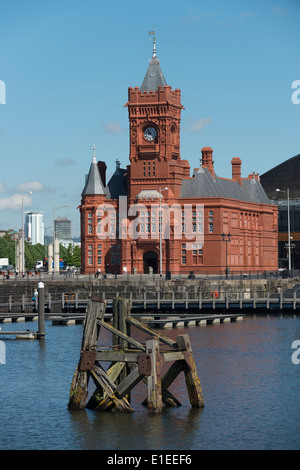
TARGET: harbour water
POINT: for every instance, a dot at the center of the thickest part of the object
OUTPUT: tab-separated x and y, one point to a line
250	385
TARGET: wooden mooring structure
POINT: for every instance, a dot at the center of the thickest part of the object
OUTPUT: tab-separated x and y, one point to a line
130	362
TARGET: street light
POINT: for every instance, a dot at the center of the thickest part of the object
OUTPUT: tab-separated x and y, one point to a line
226	240
160	230
23	236
289	224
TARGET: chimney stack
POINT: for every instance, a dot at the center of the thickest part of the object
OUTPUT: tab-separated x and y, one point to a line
207	160
102	170
236	163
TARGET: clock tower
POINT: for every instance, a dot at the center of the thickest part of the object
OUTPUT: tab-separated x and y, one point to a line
154	112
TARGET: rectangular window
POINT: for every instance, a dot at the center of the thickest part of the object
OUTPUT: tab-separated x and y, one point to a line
211	221
99	225
183	253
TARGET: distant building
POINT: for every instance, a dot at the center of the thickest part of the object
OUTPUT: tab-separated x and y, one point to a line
286	178
34	227
63	230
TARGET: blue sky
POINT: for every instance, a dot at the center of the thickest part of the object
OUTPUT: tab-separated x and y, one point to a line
67	66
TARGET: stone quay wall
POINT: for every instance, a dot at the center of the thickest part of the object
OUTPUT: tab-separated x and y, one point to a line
87	287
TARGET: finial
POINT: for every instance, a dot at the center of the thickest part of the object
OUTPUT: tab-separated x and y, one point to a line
118	164
154	39
94	153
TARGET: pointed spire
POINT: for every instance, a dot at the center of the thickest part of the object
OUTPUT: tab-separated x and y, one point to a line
93	184
154	76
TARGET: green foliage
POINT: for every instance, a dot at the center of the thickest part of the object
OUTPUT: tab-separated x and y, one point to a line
73	256
7	249
33	253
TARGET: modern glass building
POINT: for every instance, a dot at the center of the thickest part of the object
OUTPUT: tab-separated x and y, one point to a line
282	185
34	227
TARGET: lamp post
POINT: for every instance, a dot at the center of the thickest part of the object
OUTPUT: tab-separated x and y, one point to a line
160	230
23	236
289	225
226	238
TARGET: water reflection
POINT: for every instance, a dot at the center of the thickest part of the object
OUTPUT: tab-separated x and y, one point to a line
250	386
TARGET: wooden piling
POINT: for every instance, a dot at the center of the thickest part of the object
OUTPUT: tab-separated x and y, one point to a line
130	363
79	391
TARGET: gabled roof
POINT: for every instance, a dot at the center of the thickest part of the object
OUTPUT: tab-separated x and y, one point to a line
204	185
93	183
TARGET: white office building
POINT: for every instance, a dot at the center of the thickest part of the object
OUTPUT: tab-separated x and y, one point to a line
34	227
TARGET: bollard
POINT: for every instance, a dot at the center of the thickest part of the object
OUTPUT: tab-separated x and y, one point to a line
41	311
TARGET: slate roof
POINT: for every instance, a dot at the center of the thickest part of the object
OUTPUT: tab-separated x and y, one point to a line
117	185
204	185
93	183
154	77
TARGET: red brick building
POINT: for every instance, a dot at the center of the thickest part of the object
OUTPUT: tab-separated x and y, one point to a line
154	215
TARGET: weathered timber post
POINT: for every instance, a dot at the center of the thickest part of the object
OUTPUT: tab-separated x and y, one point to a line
191	377
121	312
130	363
41	311
154	394
79	391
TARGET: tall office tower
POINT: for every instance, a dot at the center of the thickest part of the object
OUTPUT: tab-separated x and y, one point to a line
63	228
34	227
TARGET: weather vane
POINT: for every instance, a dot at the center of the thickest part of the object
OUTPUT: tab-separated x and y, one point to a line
154	39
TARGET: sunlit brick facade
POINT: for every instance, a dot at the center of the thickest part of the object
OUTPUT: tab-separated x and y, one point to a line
126	221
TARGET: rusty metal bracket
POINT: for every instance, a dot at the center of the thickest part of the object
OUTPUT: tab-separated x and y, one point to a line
144	364
87	360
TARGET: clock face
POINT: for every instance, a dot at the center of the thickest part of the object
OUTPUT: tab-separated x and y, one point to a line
150	133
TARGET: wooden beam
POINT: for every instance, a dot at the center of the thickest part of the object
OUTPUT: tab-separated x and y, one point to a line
147	329
133	378
101	378
154	395
191	378
121	335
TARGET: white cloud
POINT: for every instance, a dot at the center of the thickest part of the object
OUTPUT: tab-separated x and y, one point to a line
113	128
14	203
278	10
2	187
65	161
30	186
35	187
198	124
246	14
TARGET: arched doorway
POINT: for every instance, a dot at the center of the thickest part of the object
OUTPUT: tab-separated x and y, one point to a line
150	260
